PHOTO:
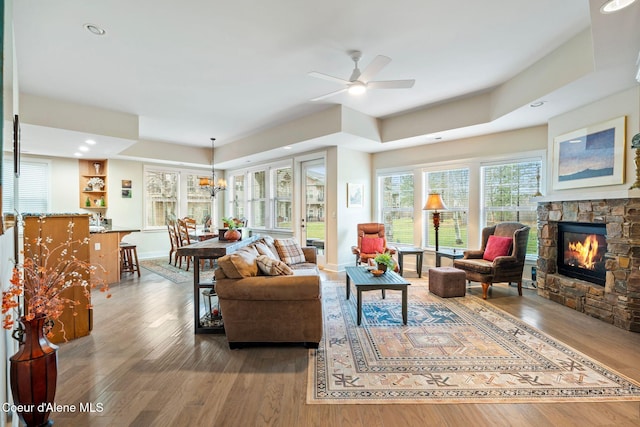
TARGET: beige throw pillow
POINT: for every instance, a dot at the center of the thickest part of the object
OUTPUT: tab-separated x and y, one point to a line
239	264
273	267
289	251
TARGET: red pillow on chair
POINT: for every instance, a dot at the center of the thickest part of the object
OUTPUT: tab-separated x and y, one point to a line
497	246
372	245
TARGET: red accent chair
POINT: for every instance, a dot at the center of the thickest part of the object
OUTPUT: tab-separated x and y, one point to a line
371	241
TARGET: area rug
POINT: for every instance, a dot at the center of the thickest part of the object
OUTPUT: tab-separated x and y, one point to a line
453	350
162	267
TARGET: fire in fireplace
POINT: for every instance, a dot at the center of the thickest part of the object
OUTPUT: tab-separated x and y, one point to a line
581	251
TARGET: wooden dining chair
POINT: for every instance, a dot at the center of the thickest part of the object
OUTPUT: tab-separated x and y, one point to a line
174	240
184	238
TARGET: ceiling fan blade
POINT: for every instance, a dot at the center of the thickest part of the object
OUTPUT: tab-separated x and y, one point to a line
391	84
378	63
328	77
320	98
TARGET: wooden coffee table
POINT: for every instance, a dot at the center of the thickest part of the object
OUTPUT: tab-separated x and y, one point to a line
365	281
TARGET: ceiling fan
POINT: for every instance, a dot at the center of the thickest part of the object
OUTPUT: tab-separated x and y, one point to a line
359	82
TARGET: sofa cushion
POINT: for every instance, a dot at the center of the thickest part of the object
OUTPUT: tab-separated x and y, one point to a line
497	246
273	267
239	264
372	245
264	249
289	251
271	244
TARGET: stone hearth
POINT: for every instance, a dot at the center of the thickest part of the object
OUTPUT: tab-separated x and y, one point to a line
618	301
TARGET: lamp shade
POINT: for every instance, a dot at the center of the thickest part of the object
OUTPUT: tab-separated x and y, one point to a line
434	202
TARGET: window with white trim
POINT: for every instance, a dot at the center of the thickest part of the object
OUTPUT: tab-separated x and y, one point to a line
396	207
453	186
264	195
34	190
507	191
174	193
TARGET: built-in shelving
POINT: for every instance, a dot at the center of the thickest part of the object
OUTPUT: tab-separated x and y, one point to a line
91	197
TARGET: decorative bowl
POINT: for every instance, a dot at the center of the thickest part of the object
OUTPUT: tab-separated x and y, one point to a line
377	273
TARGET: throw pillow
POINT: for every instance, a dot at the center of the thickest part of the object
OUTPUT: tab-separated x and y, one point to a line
290	251
497	246
263	249
372	245
273	267
239	264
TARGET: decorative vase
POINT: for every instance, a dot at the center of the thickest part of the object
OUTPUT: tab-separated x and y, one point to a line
382	267
232	235
34	372
96	166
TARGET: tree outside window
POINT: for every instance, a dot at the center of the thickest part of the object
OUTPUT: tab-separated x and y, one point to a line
507	191
453	186
161	197
396	195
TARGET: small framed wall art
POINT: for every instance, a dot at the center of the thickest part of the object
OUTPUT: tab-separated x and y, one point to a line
355	196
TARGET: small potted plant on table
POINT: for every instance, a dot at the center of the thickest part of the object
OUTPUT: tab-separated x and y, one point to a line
384	261
231	224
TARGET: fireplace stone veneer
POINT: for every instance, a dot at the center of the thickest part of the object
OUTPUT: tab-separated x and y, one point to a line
618	302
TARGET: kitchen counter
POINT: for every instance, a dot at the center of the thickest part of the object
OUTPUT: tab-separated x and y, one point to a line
105	250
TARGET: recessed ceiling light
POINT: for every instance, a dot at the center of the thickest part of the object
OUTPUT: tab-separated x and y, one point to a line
612	6
95	30
77	154
287	147
83	148
90	142
536	104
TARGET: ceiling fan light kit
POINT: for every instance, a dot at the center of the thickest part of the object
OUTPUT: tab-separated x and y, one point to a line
359	82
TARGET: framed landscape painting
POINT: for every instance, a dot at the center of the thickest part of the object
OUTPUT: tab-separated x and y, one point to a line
355	195
591	156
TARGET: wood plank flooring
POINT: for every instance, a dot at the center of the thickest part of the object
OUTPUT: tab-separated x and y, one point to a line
146	367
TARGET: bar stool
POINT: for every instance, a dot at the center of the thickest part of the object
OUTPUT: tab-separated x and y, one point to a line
129	258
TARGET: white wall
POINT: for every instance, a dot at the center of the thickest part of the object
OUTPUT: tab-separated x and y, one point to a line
346	166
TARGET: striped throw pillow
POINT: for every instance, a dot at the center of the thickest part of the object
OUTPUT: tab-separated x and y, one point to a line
289	251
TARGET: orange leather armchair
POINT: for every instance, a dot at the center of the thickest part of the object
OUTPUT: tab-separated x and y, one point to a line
371	241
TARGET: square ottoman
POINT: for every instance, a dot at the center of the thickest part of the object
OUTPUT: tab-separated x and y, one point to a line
447	282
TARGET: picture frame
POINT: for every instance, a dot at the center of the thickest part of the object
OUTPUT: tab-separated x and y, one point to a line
126	193
126	183
591	156
355	195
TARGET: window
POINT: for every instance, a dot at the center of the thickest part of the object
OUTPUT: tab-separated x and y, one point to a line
453	186
264	196
282	201
258	202
238	196
396	196
174	193
507	190
34	186
198	199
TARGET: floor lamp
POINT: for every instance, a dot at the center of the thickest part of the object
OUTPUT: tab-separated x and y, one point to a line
434	202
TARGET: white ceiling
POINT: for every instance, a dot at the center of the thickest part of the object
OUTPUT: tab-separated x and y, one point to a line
195	69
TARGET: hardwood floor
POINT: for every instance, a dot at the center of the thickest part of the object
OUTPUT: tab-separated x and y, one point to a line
143	364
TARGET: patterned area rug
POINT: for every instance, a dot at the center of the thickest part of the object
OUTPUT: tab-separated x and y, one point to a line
453	350
162	267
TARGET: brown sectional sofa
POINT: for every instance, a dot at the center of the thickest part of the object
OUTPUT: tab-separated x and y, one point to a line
260	308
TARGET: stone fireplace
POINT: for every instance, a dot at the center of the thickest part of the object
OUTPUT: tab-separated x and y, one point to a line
618	301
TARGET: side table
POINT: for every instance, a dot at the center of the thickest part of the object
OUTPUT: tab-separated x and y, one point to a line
446	253
418	252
